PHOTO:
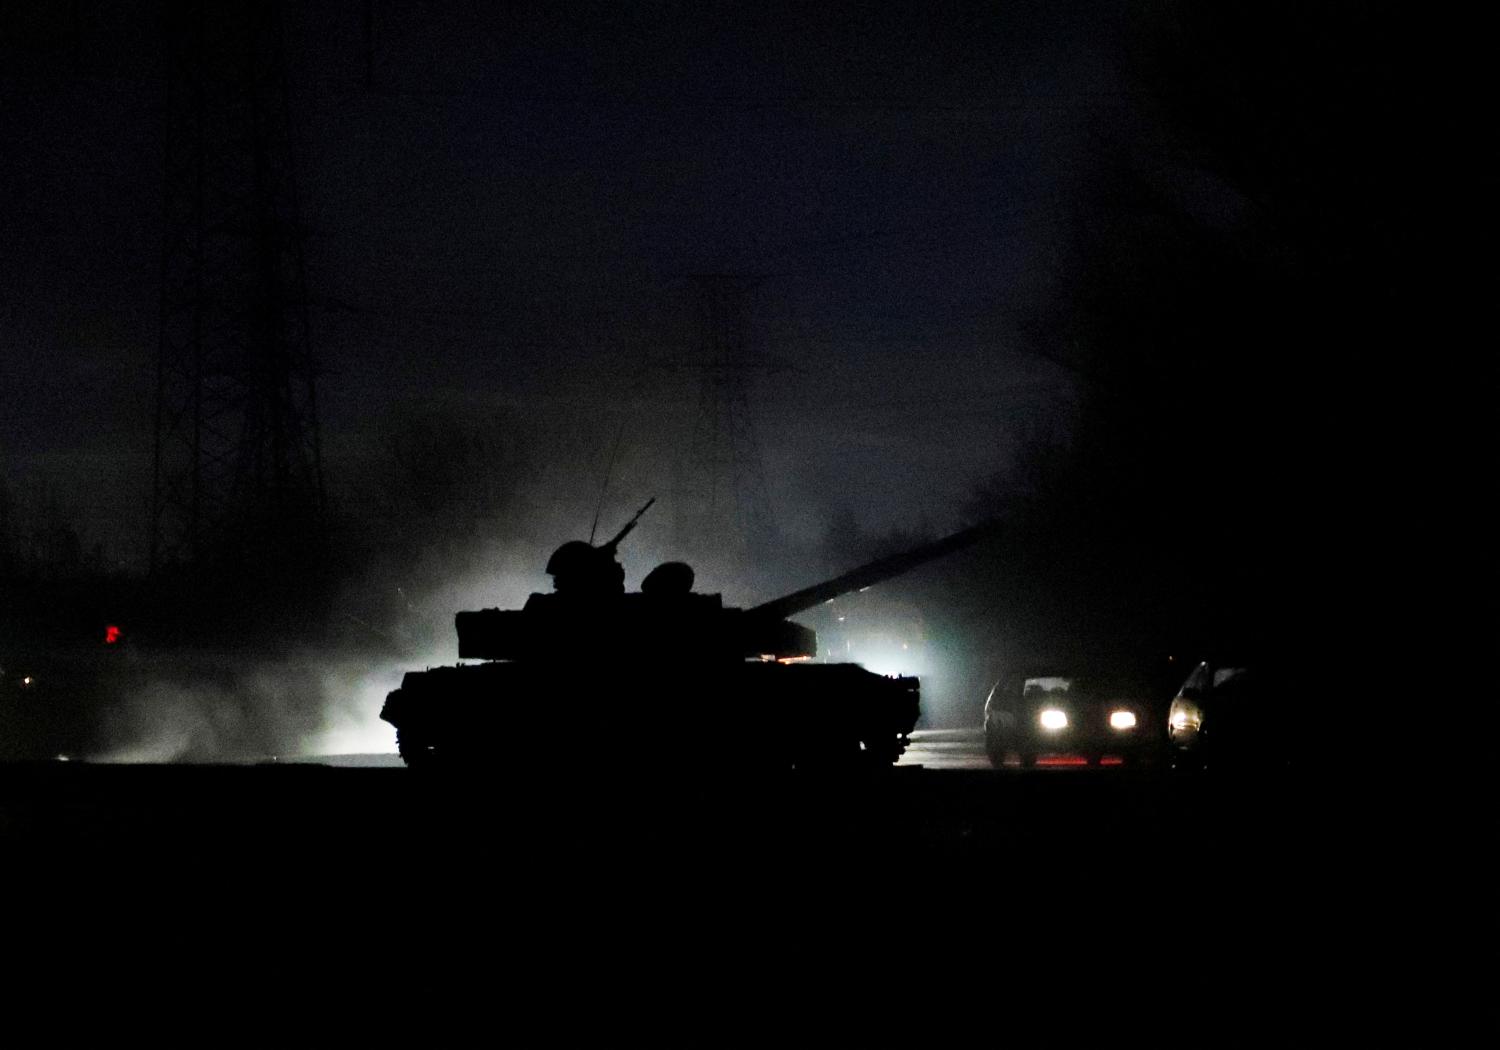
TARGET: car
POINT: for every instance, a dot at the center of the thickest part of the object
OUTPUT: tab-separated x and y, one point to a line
1060	717
1229	713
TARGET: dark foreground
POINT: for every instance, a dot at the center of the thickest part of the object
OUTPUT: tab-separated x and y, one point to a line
943	803
1250	887
1096	831
306	809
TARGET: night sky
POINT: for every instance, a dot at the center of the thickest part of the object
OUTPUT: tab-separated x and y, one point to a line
502	207
1150	232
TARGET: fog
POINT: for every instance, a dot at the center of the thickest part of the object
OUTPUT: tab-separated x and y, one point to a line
251	709
281	698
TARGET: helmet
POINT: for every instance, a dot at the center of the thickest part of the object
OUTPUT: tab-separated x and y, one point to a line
582	569
572	557
671	577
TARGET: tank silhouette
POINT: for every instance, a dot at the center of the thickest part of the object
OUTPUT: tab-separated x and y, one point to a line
617	675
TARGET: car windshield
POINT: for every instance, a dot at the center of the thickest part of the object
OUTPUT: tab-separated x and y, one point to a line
1081	687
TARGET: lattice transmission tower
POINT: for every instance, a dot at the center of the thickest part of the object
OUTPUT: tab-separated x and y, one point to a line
238	472
719	482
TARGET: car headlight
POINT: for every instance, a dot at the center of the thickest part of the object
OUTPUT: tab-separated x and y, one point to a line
1185	716
1122	719
1053	718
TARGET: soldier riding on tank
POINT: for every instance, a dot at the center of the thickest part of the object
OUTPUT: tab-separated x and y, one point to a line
579	569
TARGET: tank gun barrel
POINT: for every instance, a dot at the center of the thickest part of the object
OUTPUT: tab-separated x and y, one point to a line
872	573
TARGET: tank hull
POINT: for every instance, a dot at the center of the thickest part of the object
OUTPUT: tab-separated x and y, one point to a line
756	714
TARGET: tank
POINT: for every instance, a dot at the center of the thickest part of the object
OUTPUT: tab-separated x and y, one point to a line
664	675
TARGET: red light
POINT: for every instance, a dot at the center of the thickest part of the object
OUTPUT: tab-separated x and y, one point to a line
1111	760
111	634
1062	760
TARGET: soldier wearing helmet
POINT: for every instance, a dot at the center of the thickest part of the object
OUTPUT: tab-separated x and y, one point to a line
581	570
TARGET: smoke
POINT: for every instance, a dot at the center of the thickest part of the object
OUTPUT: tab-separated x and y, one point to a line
325	699
425	544
239	708
322	697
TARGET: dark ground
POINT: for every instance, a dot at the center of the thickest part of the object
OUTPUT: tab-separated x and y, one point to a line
1092	836
942	801
307	809
1172	891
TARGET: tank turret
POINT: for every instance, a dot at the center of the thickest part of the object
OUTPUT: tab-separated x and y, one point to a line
666	659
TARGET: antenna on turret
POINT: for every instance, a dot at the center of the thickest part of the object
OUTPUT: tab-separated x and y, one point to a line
604	487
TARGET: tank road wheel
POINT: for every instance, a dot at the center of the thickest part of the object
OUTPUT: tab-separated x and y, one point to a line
869	754
879	754
414	752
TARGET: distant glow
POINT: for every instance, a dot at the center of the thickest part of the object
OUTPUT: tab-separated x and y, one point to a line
26	682
111	634
887	656
1053	718
354	695
63	758
1122	719
1111	760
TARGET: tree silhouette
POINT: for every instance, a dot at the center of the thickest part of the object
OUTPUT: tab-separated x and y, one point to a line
1230	267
